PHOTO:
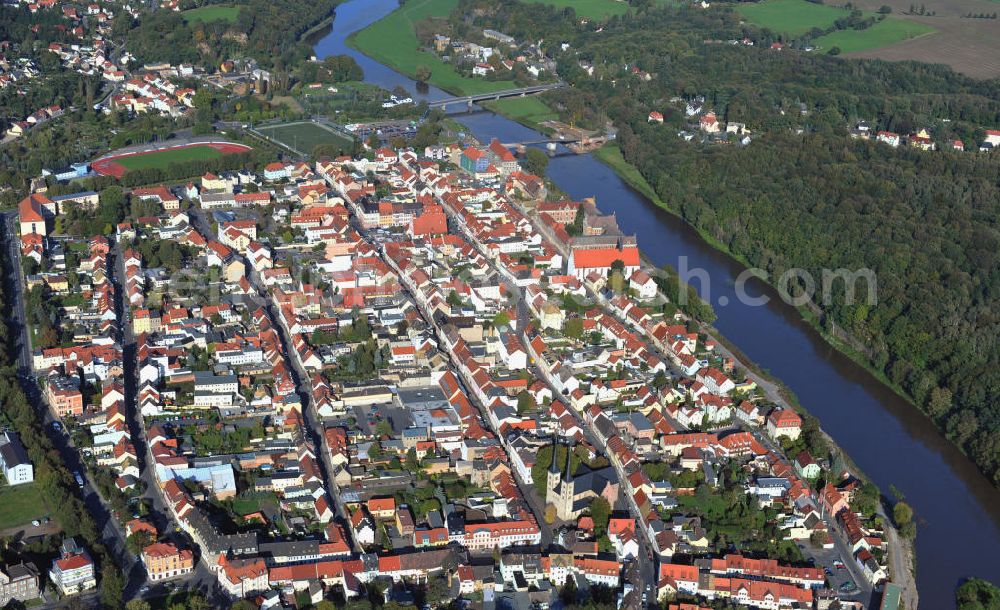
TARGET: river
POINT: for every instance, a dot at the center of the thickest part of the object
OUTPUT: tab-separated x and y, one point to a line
957	509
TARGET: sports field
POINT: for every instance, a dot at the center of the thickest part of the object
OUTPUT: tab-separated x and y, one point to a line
882	34
213	12
792	17
20	504
164	158
304	136
117	165
590	9
392	41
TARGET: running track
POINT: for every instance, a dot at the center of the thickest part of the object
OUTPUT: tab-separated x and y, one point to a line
109	167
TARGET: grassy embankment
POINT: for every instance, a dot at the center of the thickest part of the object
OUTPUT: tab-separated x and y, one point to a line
393	42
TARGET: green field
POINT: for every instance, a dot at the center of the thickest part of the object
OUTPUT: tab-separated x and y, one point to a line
530	110
792	17
392	41
304	136
884	33
590	9
213	12
20	504
161	159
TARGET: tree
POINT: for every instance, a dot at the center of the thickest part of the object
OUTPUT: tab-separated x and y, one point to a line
885	9
550	513
453	299
573	328
501	319
197	602
138	541
978	594
525	402
112	586
600	511
423	73
939	402
137	604
412	461
383	428
902	514
536	161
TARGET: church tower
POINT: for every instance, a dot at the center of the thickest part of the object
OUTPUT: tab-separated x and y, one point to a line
567	489
552	479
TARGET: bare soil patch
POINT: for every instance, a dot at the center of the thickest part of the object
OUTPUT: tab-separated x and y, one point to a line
969	46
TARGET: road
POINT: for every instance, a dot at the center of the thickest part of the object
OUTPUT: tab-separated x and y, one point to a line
303	385
159	513
112	535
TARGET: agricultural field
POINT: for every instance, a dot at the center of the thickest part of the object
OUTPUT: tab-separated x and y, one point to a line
213	12
392	41
881	34
969	46
590	9
791	17
20	504
162	159
304	136
529	110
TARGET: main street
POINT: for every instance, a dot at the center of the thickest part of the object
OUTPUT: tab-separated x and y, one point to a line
159	513
303	384
112	535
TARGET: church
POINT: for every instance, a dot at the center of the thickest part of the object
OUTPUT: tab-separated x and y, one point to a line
571	493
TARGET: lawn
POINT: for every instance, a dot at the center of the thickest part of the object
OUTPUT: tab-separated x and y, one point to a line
529	110
305	136
882	34
392	41
590	9
791	17
20	504
213	12
164	158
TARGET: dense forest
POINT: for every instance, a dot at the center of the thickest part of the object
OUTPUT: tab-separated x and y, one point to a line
803	193
266	30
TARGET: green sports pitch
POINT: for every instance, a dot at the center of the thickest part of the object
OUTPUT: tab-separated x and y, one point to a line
163	158
304	136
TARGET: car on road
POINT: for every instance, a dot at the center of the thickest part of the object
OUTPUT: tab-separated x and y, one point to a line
848	587
36	522
839	564
78	477
56	426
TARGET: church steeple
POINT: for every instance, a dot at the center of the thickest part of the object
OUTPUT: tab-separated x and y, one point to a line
553	469
568	473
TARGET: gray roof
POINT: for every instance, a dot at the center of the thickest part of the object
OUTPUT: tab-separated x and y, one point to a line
12	451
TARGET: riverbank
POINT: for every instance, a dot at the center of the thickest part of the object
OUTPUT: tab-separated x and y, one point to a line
874	426
611	156
393	42
774	389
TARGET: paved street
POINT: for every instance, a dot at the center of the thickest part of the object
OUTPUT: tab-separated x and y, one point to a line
112	535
